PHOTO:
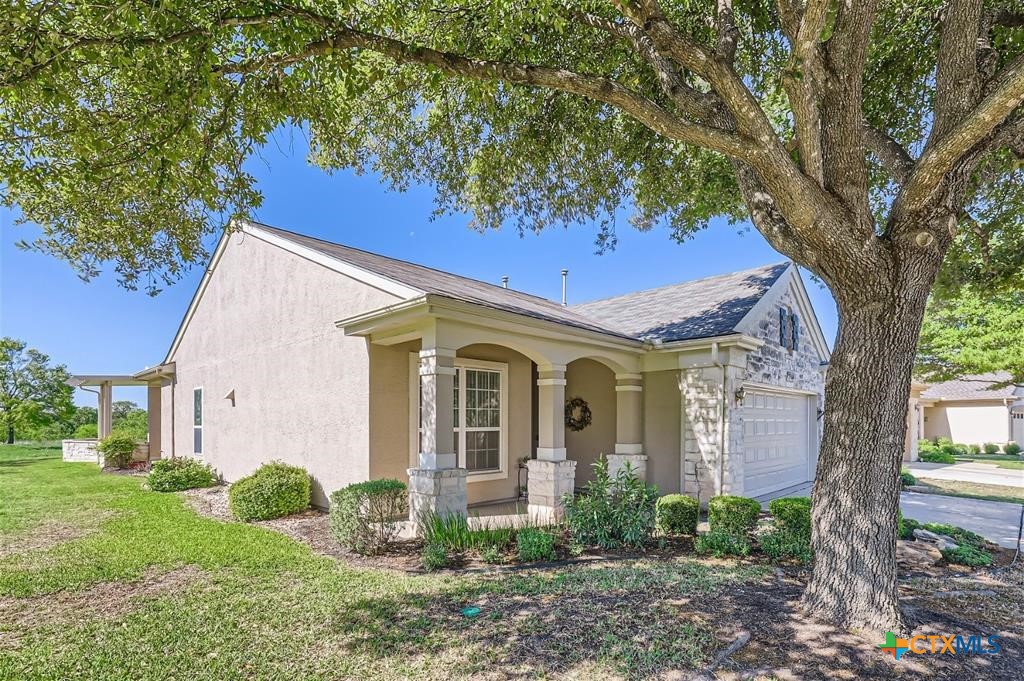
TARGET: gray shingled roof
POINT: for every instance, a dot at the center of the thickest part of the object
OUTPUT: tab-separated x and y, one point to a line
694	309
976	387
429	280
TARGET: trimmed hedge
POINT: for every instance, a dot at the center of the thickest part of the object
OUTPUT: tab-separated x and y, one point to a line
991	448
117	449
676	514
1012	448
275	490
934	456
734	515
181	473
362	515
792	515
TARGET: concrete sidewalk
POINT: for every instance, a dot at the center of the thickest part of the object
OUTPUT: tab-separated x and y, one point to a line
996	521
975	471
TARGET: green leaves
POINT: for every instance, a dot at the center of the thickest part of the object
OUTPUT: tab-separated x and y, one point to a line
973	333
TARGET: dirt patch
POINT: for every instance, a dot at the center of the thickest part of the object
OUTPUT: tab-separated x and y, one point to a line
106	600
49	533
785	644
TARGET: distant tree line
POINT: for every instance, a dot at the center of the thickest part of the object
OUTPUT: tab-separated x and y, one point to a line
36	404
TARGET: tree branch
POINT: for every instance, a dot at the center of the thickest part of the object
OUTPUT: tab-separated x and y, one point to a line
598	88
1008	18
890	152
942	156
957	85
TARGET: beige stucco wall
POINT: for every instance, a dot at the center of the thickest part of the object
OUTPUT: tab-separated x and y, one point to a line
662	412
969	423
595	383
265	329
390	415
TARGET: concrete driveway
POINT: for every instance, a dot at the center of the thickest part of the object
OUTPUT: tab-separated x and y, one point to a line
974	471
996	521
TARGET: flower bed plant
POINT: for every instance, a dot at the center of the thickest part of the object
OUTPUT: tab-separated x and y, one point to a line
612	511
117	449
677	514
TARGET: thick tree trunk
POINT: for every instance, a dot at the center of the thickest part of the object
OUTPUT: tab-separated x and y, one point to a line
856	492
10	435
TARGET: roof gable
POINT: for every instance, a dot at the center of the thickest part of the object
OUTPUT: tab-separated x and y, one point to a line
703	308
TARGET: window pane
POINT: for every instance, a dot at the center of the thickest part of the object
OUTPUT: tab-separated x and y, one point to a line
483	450
197	407
483	399
197	440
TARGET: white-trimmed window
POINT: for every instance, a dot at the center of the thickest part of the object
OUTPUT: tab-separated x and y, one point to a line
480	416
197	420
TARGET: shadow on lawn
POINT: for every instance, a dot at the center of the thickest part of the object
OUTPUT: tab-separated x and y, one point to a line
567	622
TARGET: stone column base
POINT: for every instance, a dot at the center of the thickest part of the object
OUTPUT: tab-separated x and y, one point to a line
548	482
637	462
439	491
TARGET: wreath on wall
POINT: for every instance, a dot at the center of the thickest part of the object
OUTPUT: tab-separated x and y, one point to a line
577	414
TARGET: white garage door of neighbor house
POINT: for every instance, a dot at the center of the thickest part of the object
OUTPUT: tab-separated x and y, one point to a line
775	441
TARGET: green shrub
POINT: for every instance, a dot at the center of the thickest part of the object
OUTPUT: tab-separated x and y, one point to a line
720	544
906	479
492	554
733	515
535	544
363	515
275	490
450	530
926	446
434	557
612	512
86	431
793	516
991	448
937	457
1012	448
677	514
967	555
181	473
907	527
484	538
954	449
974	449
780	544
957	534
117	449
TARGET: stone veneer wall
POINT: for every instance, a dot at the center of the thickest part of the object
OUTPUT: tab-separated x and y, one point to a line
85	451
702	392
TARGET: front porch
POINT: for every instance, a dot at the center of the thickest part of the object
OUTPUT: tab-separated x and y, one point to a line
86	449
508	384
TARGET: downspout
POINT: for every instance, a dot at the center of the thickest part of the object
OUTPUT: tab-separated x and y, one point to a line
721	419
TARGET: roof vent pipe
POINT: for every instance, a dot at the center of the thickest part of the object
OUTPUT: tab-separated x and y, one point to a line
565	276
504	281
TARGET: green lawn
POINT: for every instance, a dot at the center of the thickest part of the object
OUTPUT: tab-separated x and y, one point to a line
146	589
1001	460
973	490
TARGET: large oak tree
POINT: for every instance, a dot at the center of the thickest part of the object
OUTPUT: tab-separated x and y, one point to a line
858	137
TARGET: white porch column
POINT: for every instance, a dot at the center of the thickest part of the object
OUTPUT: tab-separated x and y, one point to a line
629	446
551	475
105	417
437	485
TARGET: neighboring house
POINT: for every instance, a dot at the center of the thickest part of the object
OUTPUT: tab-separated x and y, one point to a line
358	366
971	410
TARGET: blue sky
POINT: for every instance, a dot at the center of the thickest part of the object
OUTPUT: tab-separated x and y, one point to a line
98	327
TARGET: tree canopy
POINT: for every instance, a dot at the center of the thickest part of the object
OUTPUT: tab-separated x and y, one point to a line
973	332
33	393
536	112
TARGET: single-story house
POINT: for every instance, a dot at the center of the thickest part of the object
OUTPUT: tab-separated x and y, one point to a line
969	410
359	366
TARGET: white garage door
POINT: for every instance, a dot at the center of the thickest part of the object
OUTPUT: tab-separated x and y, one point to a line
775	441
